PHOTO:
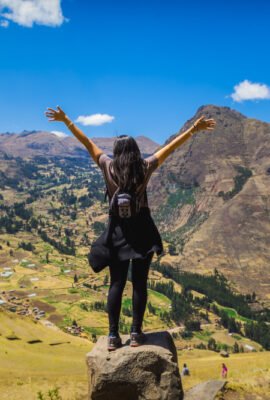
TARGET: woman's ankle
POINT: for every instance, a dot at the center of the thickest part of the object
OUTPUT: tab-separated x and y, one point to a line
114	333
135	328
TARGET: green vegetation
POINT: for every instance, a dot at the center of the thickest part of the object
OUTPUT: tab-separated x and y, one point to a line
181	196
203	335
231	312
177	237
184	194
52	394
239	180
69	248
259	332
98	227
215	287
181	307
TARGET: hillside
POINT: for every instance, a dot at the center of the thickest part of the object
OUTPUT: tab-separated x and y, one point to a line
26	368
211	200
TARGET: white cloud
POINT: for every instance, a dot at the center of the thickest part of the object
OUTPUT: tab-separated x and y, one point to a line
28	12
95	119
59	134
4	23
247	90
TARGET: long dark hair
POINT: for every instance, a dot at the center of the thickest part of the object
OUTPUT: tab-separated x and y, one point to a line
128	165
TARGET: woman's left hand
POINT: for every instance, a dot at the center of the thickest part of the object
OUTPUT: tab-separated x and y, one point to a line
54	115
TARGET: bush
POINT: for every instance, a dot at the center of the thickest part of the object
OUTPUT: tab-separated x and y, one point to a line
186	334
212	345
192	325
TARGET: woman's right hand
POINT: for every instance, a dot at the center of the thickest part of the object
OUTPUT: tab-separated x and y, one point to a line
54	115
202	124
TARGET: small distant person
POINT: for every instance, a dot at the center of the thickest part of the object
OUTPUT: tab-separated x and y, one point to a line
224	371
185	370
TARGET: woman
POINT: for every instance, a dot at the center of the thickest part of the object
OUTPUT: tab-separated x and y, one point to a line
224	371
136	239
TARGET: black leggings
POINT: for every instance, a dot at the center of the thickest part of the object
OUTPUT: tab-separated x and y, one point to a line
139	275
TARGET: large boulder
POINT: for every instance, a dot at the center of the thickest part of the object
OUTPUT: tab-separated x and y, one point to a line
146	372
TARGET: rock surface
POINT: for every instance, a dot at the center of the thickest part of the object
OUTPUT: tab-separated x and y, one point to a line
205	391
146	372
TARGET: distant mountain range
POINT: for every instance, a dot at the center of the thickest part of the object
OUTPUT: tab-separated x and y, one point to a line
28	144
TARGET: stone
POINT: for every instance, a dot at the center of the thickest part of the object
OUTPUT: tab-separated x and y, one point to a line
205	391
147	372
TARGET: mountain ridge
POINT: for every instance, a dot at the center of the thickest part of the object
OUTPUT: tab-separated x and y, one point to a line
223	218
35	142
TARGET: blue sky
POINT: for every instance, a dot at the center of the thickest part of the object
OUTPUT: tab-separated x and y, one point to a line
144	65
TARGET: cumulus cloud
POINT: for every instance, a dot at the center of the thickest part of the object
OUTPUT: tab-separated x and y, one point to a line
4	23
95	119
28	12
59	134
247	90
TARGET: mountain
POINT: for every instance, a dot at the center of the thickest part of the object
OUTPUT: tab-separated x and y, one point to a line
40	143
211	198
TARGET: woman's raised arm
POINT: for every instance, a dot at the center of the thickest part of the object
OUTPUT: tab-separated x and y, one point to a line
200	124
59	115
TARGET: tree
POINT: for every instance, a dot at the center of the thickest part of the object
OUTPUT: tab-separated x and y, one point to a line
212	345
106	279
151	308
192	325
75	278
235	347
73	215
172	250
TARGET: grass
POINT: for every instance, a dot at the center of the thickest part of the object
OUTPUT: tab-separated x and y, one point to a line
248	370
203	335
231	312
26	368
158	299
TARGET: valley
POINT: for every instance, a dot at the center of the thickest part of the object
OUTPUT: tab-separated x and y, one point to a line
210	289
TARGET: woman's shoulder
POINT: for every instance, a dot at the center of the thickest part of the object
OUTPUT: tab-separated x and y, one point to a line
104	159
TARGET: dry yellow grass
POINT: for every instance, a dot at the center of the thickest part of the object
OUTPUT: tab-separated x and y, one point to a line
27	368
251	371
